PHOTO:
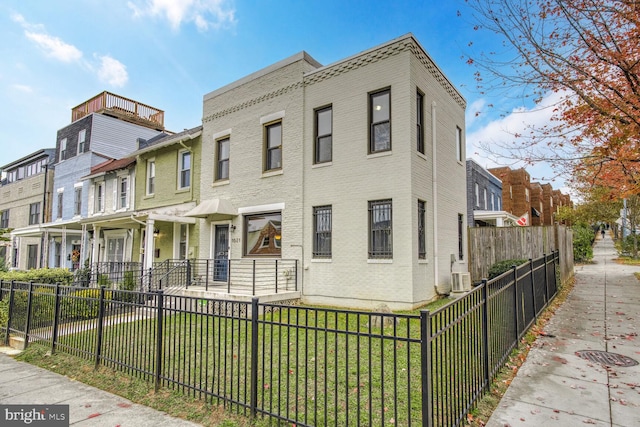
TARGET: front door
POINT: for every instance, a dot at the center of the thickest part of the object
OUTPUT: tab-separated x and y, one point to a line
221	253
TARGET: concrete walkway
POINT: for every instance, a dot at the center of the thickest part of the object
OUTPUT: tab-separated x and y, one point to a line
556	387
25	384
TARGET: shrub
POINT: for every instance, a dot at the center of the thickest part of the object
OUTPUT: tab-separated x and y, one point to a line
83	303
625	246
42	307
103	280
42	275
4	316
501	266
583	237
128	284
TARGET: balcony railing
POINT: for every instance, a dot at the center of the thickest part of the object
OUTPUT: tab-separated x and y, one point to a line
237	276
121	107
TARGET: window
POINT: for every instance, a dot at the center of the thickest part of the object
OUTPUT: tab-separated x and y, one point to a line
77	201
151	177
81	140
493	201
460	237
21	172
182	244
484	194
477	194
322	232
63	149
498	204
422	241
99	197
526	194
263	234
459	150
380	121
222	167
273	144
184	169
34	213
324	139
32	260
4	219
420	121
123	193
60	200
511	192
380	229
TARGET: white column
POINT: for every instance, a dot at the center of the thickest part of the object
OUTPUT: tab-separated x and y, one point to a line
149	245
95	250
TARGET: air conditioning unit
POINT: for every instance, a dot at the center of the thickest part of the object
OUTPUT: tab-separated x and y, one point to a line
460	282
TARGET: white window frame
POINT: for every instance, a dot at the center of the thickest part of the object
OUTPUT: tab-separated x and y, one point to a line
151	179
82	135
63	149
181	155
100	188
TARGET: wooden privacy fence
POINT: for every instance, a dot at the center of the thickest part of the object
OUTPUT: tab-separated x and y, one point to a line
488	245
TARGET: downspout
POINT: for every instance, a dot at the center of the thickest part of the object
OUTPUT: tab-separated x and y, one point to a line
434	195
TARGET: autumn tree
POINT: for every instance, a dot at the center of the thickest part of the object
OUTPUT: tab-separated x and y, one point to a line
587	53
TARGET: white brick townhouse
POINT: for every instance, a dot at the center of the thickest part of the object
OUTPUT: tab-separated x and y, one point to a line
355	169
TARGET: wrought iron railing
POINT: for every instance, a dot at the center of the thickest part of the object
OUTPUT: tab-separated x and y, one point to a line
299	365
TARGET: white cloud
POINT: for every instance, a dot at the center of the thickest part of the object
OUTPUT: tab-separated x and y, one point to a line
204	14
54	47
516	140
108	70
22	88
112	71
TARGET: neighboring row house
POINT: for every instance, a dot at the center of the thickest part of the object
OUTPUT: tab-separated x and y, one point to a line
521	198
340	184
484	199
25	202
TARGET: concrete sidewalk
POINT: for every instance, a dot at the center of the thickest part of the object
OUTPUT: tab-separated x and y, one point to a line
556	387
22	383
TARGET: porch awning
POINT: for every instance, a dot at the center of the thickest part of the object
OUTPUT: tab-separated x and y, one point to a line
214	208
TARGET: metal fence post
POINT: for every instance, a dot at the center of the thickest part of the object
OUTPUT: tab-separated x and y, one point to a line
276	276
100	321
206	276
533	290
228	275
515	300
11	296
159	338
56	321
485	331
254	277
296	282
188	280
425	359
28	321
254	357
546	281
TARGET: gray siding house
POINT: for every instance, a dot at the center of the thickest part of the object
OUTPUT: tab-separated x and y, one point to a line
106	127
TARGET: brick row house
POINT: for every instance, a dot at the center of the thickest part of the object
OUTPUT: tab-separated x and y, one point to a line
341	184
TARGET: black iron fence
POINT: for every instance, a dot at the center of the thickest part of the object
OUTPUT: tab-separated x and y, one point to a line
244	276
301	365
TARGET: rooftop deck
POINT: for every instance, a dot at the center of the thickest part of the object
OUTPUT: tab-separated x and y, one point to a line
123	108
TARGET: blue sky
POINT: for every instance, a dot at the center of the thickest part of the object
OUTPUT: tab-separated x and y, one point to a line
170	53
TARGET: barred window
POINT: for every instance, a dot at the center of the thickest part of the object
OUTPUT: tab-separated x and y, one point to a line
322	228
422	242
77	201
380	229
